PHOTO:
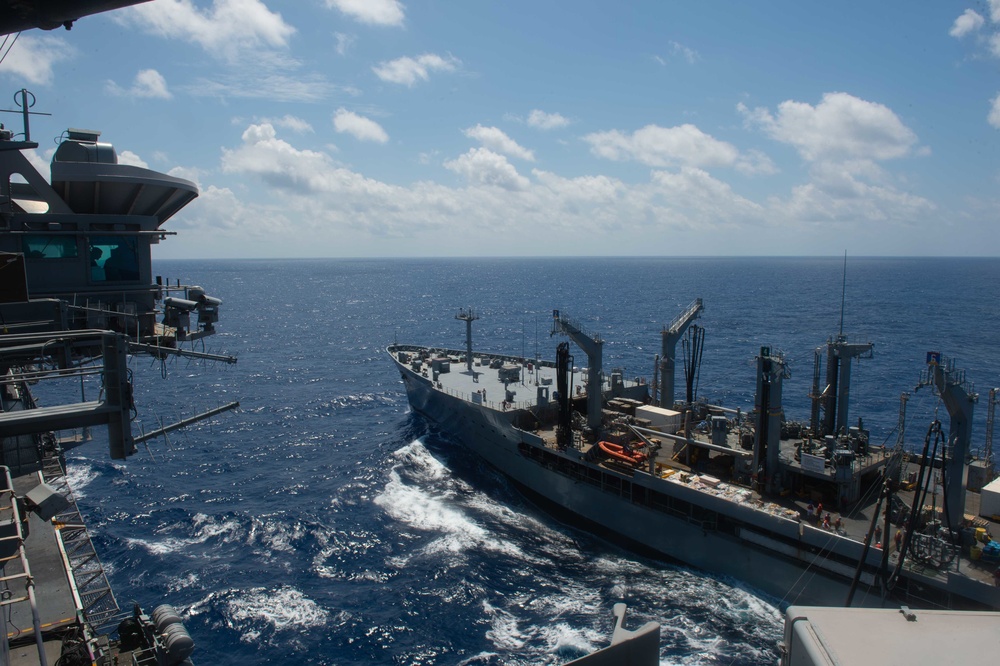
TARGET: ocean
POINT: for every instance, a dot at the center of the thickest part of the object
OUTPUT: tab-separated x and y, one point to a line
324	523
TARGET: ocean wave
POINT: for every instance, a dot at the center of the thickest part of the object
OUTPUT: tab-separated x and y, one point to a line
203	528
283	609
538	638
79	474
436	502
275	534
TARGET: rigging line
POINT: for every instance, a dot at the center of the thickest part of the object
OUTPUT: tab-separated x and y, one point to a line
823	548
918	501
14	41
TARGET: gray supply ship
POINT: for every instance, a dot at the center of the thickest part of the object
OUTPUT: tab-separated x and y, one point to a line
77	299
809	513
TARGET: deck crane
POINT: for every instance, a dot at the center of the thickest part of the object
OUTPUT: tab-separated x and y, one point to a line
671	336
594	348
959	398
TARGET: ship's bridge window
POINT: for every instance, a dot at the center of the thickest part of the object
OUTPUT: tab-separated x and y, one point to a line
113	259
49	246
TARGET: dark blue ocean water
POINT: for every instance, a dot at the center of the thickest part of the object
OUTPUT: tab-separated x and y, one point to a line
324	524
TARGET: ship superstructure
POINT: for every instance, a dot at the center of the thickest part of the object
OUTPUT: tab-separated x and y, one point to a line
78	299
807	512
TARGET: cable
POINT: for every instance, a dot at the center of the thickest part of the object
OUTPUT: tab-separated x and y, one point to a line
4	55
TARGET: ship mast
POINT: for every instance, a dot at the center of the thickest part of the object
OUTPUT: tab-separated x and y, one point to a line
468	316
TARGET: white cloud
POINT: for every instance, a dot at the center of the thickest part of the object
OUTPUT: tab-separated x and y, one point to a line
995	10
407	71
374	12
495	139
546	121
967	23
228	29
699	201
994	116
31	58
836	194
293	123
361	128
754	162
841	126
344	42
276	161
148	83
42	163
994	42
484	167
690	55
264	84
663	146
187	173
306	194
130	158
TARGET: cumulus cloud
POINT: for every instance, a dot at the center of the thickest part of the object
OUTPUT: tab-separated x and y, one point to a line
546	121
496	140
373	12
837	194
130	158
663	146
227	29
32	57
702	201
967	23
276	161
187	173
361	128
148	83
841	126
995	10
311	196
994	116
484	167
407	71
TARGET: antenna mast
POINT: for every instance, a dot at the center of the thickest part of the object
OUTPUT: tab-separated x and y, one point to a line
843	295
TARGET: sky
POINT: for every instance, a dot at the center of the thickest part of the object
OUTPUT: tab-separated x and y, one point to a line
379	128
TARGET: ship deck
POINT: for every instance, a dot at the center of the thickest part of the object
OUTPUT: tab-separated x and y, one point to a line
855	520
53	549
460	381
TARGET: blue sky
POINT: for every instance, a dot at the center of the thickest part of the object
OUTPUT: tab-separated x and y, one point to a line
342	128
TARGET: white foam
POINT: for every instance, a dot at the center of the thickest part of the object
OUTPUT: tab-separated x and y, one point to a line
284	609
432	504
275	534
561	636
504	631
205	528
79	474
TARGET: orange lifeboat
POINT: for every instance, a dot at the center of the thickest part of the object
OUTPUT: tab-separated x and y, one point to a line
619	452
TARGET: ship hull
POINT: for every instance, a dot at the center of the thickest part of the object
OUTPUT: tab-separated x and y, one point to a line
782	556
490	434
